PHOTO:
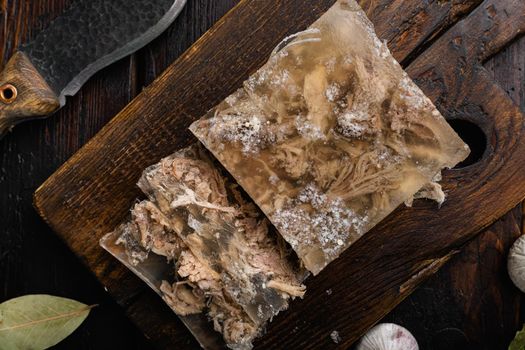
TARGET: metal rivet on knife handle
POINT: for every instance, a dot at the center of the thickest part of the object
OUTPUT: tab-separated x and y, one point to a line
8	93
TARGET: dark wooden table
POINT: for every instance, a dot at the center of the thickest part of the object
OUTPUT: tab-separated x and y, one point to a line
469	304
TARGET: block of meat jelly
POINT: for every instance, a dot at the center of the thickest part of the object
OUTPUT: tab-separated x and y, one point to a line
223	231
330	135
228	261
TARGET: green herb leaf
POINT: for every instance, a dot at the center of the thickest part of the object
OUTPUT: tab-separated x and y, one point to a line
37	322
519	341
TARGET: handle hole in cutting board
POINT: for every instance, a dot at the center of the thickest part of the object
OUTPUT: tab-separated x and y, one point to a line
474	137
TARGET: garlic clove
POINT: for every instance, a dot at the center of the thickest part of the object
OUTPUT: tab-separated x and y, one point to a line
516	263
388	336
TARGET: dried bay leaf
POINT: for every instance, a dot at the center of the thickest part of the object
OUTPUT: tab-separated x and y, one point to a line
519	341
35	322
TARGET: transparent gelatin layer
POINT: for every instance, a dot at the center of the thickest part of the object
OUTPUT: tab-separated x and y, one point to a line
331	135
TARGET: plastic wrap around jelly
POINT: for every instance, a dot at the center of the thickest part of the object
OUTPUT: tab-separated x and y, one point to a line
330	135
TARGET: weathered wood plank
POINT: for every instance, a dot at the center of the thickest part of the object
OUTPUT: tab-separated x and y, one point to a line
154	125
508	69
413	26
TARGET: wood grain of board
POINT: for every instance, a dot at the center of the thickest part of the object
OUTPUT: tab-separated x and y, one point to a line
92	192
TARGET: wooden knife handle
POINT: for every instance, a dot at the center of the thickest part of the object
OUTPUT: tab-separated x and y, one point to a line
24	94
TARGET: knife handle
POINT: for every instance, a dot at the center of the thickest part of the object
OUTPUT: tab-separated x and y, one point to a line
24	94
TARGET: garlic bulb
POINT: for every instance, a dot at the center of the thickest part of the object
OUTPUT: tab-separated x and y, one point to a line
388	336
516	263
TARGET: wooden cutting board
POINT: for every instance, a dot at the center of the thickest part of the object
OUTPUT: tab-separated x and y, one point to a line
93	191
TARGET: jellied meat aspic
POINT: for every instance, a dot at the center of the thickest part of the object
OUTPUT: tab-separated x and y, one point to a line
229	262
331	135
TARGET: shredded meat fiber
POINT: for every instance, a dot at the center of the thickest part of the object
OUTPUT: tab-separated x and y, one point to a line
229	261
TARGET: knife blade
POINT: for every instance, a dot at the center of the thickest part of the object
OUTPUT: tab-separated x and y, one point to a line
87	37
